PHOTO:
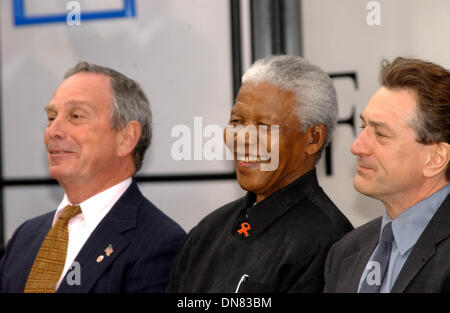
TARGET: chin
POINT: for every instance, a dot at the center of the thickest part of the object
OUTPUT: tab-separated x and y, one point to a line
359	184
54	173
252	184
58	173
246	186
363	187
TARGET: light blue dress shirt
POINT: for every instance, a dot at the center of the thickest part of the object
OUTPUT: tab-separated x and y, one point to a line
407	228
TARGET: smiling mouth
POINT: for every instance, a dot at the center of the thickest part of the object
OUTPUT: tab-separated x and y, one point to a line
360	167
252	159
59	152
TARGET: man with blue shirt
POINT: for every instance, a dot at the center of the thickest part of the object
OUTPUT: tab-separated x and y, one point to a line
403	155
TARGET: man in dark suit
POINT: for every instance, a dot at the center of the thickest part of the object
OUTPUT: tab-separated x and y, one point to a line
403	160
104	236
276	238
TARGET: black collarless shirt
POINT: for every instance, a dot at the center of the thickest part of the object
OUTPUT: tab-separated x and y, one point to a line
282	245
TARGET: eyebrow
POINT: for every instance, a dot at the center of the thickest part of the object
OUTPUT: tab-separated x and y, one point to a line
50	107
377	124
261	118
258	115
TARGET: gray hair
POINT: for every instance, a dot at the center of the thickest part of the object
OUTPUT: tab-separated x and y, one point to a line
130	104
316	100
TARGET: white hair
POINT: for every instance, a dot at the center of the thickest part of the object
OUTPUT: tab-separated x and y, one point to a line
316	101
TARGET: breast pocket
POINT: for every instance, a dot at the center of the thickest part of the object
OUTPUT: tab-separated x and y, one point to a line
250	286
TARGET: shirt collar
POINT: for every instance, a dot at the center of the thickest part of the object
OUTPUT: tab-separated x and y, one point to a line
261	215
409	225
96	207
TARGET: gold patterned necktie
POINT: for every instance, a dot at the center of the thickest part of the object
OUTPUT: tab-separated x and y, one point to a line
51	258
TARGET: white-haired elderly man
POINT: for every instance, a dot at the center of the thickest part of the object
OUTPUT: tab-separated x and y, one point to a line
276	238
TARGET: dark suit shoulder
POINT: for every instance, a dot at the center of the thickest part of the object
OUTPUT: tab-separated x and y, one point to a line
371	228
30	228
133	211
154	236
337	266
152	217
21	251
37	223
349	243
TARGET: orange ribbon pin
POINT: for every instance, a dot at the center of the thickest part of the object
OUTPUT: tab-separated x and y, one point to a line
245	227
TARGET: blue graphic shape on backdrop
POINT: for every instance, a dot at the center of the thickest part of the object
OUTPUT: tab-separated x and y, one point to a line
20	18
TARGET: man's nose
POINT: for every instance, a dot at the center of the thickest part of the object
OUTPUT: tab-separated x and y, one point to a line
56	128
360	145
246	140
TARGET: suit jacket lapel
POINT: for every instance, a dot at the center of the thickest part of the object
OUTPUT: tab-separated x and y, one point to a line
355	263
437	230
92	258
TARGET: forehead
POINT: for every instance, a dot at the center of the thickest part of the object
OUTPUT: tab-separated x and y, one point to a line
91	89
263	99
391	106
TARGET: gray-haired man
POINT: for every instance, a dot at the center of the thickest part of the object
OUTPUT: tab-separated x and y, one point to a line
104	236
276	238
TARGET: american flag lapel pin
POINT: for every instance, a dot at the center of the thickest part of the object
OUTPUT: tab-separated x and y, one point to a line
109	250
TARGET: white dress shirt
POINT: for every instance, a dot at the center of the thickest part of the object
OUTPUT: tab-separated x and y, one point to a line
93	210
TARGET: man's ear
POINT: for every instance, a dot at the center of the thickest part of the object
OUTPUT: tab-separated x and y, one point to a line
129	137
437	159
315	136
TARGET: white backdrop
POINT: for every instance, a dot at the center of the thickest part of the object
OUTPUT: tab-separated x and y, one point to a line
180	53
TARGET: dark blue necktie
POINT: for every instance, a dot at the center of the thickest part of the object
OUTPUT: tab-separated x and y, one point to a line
372	283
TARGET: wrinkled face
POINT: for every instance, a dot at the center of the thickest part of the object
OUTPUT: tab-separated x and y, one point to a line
81	146
258	106
390	160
